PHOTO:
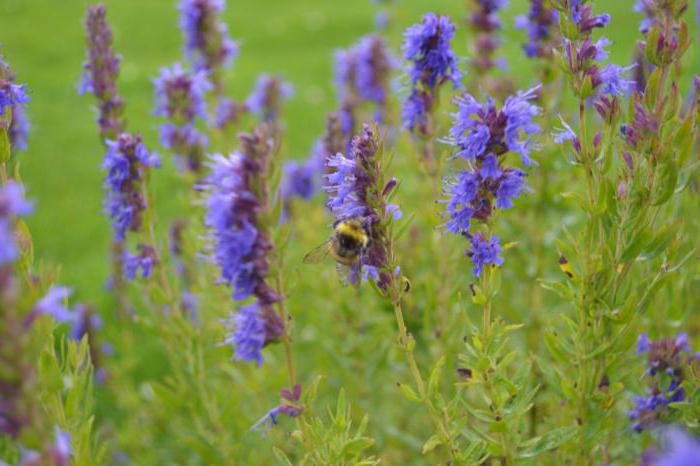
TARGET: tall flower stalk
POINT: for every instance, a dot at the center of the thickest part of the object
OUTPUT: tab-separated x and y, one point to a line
100	74
240	216
484	138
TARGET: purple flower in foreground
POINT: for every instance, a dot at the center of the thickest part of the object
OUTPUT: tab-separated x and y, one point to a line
484	251
207	42
482	134
479	128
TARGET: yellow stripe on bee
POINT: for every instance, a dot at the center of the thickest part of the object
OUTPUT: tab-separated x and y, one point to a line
354	231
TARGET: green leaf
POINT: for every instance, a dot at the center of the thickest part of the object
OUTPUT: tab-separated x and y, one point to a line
434	441
281	456
408	392
549	441
434	380
356	446
660	242
666	184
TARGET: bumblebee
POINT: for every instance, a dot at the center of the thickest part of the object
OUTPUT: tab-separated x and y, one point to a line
346	245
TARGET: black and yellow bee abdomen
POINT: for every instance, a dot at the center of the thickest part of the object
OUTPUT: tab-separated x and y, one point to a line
349	239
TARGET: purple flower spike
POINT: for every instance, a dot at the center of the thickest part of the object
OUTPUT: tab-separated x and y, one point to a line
125	162
207	42
101	70
482	135
427	46
237	192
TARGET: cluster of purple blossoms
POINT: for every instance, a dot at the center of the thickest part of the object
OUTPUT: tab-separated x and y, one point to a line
207	43
356	191
237	195
540	24
126	162
668	359
14	97
362	74
181	98
267	97
484	22
427	46
482	135
101	70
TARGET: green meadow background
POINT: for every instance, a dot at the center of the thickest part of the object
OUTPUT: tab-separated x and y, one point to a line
43	40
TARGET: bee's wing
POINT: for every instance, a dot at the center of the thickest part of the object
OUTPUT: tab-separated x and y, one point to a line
319	253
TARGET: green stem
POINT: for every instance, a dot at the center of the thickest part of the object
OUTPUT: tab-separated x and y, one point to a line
440	422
